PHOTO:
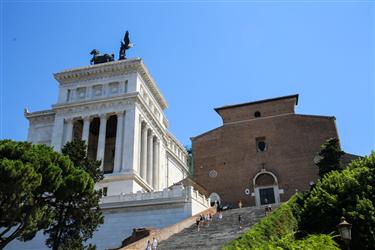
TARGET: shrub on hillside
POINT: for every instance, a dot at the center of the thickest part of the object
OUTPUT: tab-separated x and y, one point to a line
276	231
349	193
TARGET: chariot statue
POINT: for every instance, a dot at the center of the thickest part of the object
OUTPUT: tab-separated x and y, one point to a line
97	58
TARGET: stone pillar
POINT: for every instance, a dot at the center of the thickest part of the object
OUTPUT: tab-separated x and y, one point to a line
57	136
86	129
101	140
69	130
118	147
144	151
149	157
155	179
131	141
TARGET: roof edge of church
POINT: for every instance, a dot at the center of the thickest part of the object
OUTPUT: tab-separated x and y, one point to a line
258	102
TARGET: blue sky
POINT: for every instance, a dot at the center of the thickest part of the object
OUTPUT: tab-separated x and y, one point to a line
202	55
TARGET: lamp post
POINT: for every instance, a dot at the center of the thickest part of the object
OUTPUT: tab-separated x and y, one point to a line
345	230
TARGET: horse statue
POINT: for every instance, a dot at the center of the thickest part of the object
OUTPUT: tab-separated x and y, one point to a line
125	44
97	58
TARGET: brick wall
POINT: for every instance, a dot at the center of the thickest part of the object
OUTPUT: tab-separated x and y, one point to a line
292	141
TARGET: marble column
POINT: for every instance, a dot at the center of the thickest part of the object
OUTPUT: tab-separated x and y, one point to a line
155	179
69	130
131	141
101	140
149	157
58	133
86	129
118	147
144	151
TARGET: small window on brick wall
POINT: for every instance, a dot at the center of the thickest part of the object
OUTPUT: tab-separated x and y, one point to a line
260	143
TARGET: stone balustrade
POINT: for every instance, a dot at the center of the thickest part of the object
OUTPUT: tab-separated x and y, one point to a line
176	192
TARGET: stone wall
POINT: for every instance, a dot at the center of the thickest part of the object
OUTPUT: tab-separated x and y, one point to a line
167	232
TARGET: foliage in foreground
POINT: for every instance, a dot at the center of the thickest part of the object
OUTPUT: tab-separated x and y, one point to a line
77	208
276	231
330	157
349	193
39	189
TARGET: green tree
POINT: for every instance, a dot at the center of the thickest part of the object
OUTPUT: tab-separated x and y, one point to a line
43	190
189	160
76	203
348	193
77	153
329	157
29	176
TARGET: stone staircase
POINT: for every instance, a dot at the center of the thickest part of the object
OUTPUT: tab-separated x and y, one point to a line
215	235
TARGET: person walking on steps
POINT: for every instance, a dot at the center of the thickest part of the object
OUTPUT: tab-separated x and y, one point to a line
148	247
198	222
154	244
240	221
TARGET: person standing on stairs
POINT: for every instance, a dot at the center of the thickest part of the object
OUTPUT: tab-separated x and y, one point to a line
154	244
240	220
148	247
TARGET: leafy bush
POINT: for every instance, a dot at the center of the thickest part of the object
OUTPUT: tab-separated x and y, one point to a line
276	231
349	193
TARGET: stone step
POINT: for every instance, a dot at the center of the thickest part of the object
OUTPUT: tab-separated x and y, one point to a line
217	233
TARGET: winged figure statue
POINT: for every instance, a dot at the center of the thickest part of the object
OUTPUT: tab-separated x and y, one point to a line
125	44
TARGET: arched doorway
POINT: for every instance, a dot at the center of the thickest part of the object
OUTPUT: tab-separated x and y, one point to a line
266	188
215	199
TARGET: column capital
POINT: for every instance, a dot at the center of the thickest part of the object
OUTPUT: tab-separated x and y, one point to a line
147	127
119	113
150	133
156	138
69	119
103	116
87	118
141	119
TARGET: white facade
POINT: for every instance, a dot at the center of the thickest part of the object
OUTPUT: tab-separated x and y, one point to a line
143	155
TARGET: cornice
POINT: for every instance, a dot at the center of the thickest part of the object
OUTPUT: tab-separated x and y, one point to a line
109	178
123	97
35	114
182	165
110	69
172	137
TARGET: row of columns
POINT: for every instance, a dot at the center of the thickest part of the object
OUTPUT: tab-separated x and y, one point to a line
150	152
119	150
149	145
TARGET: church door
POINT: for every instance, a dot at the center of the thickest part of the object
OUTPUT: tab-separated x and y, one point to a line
267	196
266	188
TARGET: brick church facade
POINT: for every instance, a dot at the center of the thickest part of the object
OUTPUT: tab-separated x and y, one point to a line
263	153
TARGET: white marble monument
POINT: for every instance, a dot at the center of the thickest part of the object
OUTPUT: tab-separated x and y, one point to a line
117	108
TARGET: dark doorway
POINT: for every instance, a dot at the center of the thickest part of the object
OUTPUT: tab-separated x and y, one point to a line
110	143
92	146
77	129
267	196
